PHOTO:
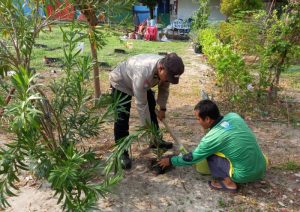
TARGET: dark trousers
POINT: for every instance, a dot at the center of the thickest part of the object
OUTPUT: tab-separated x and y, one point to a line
219	167
121	126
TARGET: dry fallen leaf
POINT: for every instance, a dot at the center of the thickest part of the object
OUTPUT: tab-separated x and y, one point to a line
281	204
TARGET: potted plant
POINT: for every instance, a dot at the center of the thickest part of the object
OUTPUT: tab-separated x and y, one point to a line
195	42
199	22
197	48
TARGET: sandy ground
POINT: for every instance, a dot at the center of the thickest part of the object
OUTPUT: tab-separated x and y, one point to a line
184	189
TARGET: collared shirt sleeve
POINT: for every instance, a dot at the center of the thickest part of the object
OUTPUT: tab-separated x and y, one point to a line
208	146
140	93
163	94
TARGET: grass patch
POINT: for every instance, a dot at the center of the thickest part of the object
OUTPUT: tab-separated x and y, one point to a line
222	203
293	75
294	69
289	166
54	48
50	44
175	114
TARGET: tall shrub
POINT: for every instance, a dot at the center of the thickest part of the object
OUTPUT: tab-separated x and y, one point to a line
200	16
272	38
18	32
243	33
91	9
229	7
282	39
47	131
231	71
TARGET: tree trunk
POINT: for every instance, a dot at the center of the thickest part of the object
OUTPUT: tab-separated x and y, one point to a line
95	68
275	83
90	14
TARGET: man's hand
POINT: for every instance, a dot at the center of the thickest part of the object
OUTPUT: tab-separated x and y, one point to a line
164	162
161	114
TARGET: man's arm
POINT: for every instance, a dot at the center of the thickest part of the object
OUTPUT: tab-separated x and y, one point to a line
190	158
208	146
185	160
163	95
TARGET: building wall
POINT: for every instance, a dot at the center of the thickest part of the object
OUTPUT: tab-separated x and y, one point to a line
215	11
186	9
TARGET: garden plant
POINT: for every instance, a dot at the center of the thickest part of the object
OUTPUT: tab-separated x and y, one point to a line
276	39
47	131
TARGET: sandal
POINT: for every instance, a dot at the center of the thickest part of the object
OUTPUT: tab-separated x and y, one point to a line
223	187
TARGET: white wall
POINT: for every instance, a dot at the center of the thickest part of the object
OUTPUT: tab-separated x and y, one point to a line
186	8
215	11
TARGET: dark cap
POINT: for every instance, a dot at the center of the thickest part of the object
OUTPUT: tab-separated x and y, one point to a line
173	66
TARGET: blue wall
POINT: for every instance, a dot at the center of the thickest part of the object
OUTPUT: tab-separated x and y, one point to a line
141	13
27	9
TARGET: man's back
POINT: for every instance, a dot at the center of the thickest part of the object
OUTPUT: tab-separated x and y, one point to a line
236	141
135	74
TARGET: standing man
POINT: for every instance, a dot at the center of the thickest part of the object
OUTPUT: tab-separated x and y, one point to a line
230	147
135	77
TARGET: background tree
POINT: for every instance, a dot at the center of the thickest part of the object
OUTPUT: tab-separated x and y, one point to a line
229	7
91	9
19	30
200	17
282	40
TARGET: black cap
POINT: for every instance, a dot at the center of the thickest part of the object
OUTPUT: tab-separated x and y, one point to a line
174	67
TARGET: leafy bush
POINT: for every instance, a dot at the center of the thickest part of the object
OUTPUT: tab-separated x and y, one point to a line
243	34
281	42
229	7
47	132
272	38
200	17
18	30
231	71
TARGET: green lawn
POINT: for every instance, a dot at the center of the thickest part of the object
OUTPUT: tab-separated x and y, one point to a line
293	74
54	40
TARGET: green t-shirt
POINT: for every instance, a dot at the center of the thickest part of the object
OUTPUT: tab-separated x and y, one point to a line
234	139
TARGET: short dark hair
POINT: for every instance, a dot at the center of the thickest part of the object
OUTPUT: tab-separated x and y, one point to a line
174	67
207	108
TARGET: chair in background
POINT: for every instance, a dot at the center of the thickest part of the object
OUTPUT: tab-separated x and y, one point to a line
177	26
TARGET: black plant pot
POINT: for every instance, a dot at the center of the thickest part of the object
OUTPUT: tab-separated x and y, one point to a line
156	169
120	51
198	48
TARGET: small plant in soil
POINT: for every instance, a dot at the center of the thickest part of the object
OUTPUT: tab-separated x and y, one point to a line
155	138
156	168
148	133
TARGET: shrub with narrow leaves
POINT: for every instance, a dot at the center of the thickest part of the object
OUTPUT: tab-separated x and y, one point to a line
47	131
